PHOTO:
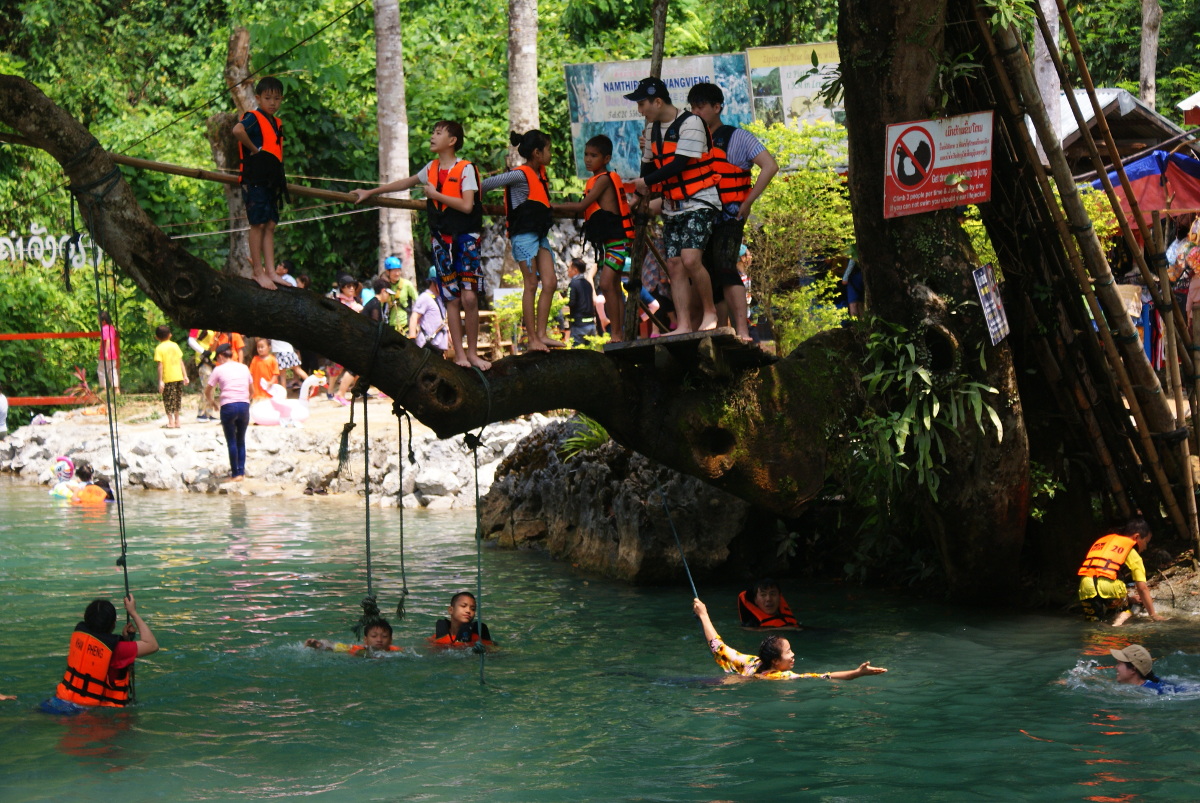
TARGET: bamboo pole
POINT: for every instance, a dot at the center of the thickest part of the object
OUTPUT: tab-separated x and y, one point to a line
1074	254
1148	276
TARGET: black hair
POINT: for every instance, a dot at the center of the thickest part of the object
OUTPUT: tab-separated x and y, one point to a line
1136	527
532	140
1148	676
380	284
706	93
601	143
108	491
267	84
762	585
287	265
769	652
162	332
83	470
376	623
303	280
100	616
225	349
453	129
579	265
454	599
105	318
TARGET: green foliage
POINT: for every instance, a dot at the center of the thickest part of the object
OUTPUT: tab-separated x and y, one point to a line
1043	485
587	435
1010	13
507	311
905	442
739	24
800	314
1110	33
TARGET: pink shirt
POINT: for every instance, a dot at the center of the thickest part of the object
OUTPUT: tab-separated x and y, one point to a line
234	380
108	342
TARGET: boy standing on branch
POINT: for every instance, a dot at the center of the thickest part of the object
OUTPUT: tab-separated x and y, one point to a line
676	161
734	150
260	145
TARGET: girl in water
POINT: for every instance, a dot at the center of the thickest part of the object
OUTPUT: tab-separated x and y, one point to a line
775	658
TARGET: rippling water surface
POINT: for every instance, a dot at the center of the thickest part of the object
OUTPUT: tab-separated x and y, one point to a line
601	692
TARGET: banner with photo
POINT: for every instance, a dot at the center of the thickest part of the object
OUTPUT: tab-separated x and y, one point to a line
595	95
785	85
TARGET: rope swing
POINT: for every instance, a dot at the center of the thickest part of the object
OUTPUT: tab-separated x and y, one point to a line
473	442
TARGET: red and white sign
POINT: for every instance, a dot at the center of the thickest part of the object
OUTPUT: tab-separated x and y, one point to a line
937	164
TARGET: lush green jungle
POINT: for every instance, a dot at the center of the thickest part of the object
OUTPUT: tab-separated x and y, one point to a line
144	77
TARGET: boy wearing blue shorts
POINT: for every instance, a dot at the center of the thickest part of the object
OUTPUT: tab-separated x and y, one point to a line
259	135
455	223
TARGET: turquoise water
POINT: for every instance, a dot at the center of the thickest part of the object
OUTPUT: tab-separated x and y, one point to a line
601	692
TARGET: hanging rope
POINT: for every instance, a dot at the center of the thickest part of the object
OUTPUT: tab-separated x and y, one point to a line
662	498
473	442
106	302
412	458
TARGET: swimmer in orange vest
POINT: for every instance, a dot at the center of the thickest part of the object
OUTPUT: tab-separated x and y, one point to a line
461	629
377	638
763	606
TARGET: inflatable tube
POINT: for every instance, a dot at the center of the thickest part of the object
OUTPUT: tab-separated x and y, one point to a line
264	414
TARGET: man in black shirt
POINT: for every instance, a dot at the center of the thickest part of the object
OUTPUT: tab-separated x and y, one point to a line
581	302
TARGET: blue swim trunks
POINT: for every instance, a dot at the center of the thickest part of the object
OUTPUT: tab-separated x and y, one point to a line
60	707
260	204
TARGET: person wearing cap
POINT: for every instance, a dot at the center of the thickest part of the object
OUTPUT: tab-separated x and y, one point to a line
676	161
1101	591
404	293
735	152
233	379
1136	668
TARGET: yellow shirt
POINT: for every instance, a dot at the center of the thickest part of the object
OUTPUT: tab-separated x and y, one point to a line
1113	589
167	353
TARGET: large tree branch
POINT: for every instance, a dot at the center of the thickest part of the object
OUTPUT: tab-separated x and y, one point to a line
760	433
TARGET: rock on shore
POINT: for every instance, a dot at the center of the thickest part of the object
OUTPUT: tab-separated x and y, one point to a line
279	461
603	512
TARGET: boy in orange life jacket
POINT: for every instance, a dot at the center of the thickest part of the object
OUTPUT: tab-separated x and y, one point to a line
735	150
260	144
377	637
452	202
677	162
1102	594
608	226
99	661
461	629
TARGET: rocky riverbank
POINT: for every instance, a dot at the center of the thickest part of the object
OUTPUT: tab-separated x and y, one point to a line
280	461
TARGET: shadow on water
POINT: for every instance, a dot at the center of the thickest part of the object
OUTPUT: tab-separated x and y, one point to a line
600	691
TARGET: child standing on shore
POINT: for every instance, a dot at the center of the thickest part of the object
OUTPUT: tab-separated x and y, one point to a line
527	201
260	145
455	224
607	225
172	374
263	368
107	370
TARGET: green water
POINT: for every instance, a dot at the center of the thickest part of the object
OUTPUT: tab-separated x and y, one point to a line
601	692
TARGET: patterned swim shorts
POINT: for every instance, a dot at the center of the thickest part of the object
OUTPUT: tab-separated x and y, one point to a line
456	257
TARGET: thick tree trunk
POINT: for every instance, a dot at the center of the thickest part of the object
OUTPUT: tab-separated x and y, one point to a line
918	274
522	70
225	151
1151	21
391	112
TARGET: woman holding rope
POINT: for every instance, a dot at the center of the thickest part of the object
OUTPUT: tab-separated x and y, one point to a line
775	658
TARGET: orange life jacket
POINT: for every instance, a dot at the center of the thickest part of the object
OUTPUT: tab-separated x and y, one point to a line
532	214
606	226
753	616
442	635
696	176
90	495
733	182
444	219
272	134
358	648
1107	556
86	681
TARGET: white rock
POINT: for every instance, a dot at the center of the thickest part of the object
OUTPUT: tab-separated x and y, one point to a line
439	503
433	480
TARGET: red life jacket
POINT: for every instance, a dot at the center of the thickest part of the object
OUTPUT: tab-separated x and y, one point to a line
753	616
86	680
602	226
444	219
532	214
696	176
1107	556
272	136
733	182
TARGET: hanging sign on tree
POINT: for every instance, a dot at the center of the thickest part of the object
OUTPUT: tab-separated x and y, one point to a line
937	164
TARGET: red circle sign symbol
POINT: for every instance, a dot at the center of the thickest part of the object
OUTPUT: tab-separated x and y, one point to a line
911	159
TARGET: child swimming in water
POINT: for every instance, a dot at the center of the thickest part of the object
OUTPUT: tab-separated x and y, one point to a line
461	629
377	637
